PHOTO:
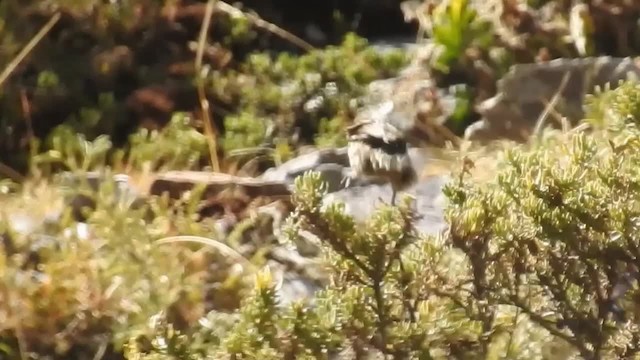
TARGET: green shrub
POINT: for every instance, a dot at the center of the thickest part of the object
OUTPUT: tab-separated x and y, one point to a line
65	292
615	109
296	95
553	236
244	131
177	146
539	262
456	28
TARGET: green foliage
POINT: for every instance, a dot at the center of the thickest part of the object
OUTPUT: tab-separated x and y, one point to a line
395	284
93	121
48	79
615	108
177	146
73	151
66	290
457	27
554	235
331	132
244	131
293	94
463	107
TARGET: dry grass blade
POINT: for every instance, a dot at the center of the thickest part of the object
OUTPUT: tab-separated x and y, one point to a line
102	350
259	22
222	248
28	48
202	97
210	132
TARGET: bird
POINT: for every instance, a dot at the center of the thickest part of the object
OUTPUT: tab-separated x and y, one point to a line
378	147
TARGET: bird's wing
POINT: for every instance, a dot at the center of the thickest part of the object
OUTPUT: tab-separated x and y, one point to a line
375	122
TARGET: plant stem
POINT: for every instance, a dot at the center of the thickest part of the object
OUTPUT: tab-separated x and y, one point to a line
381	313
202	97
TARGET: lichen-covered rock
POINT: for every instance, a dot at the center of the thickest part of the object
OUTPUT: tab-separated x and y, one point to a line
526	90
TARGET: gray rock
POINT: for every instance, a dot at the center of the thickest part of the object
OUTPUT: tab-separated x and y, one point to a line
295	287
302	163
332	164
392	43
362	201
524	91
293	283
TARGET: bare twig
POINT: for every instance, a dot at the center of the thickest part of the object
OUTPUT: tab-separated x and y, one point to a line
221	247
382	315
512	334
17	328
102	349
8	70
259	22
549	325
28	48
209	129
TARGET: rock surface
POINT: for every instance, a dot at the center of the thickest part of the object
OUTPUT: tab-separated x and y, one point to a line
363	196
524	92
362	201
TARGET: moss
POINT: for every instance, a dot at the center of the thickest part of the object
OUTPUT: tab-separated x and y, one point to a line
330	132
